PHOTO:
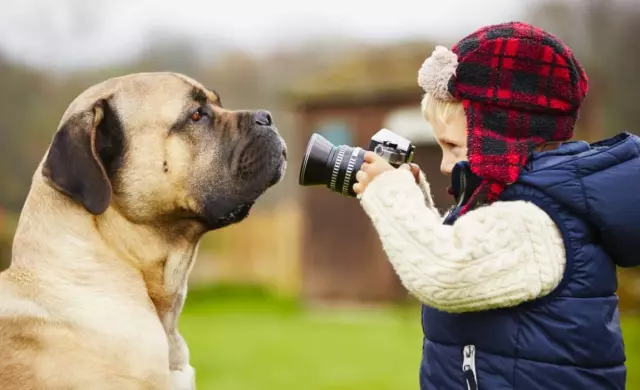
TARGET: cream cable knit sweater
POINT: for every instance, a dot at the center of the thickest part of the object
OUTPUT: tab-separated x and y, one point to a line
495	256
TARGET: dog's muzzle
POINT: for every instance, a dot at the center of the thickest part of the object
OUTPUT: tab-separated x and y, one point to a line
264	154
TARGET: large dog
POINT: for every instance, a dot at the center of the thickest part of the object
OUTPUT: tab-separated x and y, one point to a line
140	168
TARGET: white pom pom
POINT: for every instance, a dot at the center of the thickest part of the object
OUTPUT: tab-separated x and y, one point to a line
436	71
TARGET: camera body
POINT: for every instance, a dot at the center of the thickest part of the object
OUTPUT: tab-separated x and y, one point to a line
395	149
336	166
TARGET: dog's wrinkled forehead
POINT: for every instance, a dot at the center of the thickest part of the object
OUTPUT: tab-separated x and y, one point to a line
159	95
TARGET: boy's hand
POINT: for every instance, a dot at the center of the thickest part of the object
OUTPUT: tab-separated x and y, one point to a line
373	166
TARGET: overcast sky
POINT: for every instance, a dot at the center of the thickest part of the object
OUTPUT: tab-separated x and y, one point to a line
64	33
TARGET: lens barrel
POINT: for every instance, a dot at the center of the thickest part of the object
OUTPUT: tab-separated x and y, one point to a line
330	165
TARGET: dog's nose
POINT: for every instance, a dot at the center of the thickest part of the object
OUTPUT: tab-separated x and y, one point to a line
262	117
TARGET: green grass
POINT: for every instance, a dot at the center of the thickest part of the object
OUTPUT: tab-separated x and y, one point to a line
631	332
252	341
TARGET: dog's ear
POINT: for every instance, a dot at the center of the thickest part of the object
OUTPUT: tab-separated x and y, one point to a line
75	164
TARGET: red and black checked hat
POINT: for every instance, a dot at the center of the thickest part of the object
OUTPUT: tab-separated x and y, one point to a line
520	86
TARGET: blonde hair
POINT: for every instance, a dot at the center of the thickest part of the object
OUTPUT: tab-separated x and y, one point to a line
434	109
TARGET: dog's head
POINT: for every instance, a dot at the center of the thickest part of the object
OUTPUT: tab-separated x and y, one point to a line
159	146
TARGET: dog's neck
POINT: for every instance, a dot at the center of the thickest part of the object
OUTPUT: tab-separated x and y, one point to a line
100	243
163	254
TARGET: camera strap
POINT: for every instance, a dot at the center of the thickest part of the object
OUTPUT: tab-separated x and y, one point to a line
463	183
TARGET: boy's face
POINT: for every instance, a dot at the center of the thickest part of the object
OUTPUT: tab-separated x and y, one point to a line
452	138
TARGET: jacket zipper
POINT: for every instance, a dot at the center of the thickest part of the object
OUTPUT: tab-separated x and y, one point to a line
469	366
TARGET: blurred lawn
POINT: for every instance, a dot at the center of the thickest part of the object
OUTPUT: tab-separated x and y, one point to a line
248	340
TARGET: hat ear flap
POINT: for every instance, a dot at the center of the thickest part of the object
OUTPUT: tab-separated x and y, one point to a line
436	73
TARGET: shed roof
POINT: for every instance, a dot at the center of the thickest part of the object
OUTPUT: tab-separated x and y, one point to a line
368	74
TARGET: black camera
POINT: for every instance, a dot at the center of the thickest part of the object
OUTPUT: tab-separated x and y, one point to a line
336	166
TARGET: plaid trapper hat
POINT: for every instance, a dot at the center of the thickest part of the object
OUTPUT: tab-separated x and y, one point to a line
520	86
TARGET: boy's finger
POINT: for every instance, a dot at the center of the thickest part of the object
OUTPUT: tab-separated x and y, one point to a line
370	157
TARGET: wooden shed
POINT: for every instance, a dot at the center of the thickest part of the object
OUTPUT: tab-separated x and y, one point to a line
342	258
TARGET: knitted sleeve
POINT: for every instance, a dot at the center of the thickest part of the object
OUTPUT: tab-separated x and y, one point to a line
423	184
495	256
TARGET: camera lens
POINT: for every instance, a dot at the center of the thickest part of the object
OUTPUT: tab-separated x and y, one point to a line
330	165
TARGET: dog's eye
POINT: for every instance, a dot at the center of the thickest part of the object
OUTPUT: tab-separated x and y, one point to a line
198	115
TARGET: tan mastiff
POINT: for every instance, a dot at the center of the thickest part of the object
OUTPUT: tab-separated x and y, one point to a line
140	168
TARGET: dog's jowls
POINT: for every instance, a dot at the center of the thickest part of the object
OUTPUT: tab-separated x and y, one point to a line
140	167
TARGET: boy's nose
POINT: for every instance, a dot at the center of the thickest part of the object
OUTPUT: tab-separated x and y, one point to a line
446	167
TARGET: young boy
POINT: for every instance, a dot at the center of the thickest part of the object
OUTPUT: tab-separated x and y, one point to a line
519	280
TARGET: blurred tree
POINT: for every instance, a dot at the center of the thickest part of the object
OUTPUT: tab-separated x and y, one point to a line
170	51
22	97
5	253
